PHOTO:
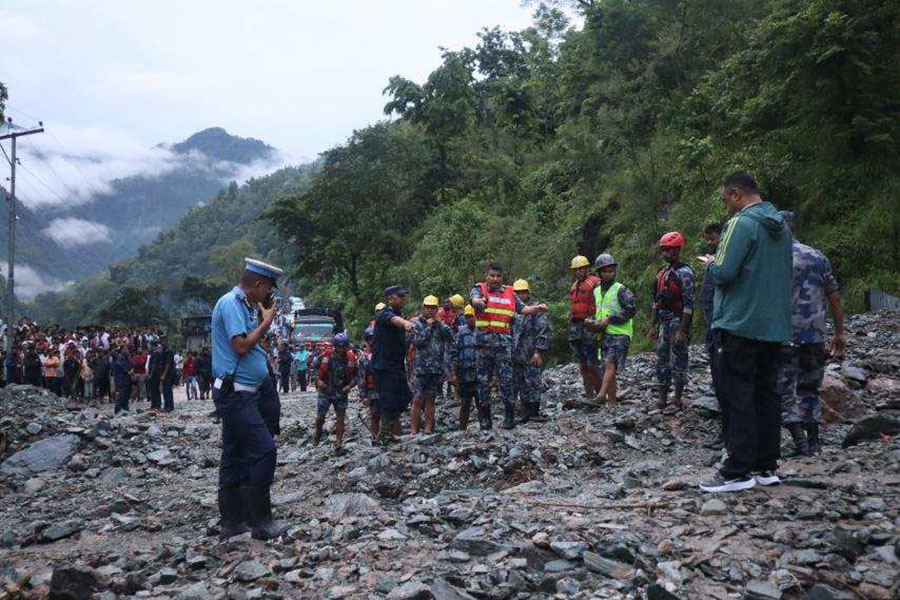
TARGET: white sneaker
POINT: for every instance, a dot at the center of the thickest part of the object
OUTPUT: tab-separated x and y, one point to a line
766	478
720	484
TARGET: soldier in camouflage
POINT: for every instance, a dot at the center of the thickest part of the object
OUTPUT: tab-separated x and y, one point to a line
495	305
463	366
365	381
434	343
337	374
670	319
530	342
803	362
712	234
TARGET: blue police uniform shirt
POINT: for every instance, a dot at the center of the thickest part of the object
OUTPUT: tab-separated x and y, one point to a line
233	316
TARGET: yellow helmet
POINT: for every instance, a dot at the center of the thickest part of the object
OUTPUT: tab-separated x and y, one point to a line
379	307
431	301
469	310
521	286
579	261
457	301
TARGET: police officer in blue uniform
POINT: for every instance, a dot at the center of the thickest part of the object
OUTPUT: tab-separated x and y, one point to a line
247	468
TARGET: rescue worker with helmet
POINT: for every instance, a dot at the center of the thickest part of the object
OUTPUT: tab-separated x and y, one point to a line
670	319
531	341
433	341
337	373
614	320
463	365
495	306
581	308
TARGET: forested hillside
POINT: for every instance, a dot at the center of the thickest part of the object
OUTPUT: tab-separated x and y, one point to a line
540	144
186	267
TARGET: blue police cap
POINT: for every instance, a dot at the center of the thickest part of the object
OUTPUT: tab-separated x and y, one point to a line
397	290
264	269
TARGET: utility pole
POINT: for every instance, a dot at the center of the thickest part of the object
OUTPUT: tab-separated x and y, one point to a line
11	258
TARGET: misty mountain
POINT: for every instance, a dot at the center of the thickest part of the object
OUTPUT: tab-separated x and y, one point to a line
71	240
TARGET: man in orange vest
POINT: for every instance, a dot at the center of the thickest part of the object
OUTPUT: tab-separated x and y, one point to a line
495	306
581	339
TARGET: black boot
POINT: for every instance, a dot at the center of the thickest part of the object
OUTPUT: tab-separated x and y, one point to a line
263	526
536	415
231	513
801	447
527	413
812	432
509	417
484	418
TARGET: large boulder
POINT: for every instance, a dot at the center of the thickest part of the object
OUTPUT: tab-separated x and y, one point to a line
839	402
871	428
44	455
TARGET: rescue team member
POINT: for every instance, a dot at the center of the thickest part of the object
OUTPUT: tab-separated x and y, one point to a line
712	233
365	377
337	373
670	319
752	319
495	305
388	357
464	365
240	367
531	340
433	340
814	287
581	307
614	320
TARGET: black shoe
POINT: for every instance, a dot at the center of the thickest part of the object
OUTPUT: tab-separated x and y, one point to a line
812	432
263	526
484	419
231	513
801	445
509	417
766	478
528	413
720	484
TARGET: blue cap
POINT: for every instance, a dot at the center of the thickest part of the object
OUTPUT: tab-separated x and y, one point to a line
264	269
397	290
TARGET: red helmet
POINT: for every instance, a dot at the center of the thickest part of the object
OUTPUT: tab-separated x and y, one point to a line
673	239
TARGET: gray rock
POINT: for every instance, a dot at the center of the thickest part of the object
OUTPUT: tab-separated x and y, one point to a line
34	428
442	590
33	486
250	570
820	591
569	550
59	531
113	475
568	586
713	507
340	506
708	404
44	455
473	541
854	374
411	590
871	428
160	456
74	583
559	566
607	567
761	590
196	591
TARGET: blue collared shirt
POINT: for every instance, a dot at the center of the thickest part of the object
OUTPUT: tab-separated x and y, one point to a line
233	316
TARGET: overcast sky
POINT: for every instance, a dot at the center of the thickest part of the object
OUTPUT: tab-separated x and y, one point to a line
298	74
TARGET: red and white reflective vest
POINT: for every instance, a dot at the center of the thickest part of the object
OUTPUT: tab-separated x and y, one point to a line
499	311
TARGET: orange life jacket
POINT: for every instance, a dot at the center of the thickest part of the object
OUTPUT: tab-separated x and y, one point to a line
498	314
581	298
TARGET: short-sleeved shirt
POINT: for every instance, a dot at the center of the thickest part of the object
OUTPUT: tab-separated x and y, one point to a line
389	343
812	282
234	316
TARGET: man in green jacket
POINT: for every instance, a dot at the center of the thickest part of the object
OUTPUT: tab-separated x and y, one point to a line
752	272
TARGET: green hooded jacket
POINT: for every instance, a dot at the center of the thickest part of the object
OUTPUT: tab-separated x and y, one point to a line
752	274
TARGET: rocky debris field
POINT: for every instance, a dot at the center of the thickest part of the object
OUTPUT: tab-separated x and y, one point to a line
595	503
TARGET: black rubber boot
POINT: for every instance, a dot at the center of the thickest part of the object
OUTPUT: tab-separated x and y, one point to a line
484	418
527	413
263	527
509	417
812	432
801	446
536	415
231	513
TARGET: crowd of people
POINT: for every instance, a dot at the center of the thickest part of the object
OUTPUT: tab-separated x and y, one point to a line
100	364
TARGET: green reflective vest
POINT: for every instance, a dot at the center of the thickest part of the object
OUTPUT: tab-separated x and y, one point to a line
608	305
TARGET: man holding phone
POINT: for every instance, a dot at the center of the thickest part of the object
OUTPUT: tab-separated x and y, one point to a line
247	468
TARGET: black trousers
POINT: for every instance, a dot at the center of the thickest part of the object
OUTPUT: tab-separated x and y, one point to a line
301	379
748	384
712	337
285	382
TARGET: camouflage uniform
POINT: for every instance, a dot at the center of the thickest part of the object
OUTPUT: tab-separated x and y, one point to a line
530	334
493	352
340	370
365	375
433	346
803	362
672	359
464	363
